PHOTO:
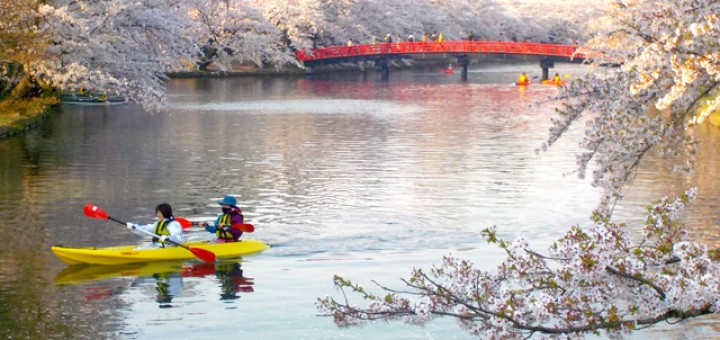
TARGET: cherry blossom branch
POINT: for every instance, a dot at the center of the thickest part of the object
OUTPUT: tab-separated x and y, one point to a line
638	278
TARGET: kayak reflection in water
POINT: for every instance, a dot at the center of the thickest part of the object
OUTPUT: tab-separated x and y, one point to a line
232	281
167	286
223	226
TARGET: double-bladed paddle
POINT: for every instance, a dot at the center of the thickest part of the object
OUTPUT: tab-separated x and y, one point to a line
244	227
93	211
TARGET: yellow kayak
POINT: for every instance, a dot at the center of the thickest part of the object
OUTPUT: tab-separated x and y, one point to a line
130	254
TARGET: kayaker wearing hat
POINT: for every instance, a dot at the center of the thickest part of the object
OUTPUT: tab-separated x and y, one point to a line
166	227
231	215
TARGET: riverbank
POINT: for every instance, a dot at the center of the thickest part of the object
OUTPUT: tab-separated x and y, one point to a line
17	116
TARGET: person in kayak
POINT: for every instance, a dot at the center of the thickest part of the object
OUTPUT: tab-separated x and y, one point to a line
556	78
522	78
222	227
166	228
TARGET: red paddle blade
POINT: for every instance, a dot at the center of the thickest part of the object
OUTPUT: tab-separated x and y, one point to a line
203	254
183	222
244	227
93	211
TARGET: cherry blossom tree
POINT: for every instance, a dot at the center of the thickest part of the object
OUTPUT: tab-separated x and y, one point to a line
109	46
668	55
591	279
300	21
20	44
361	21
594	278
234	32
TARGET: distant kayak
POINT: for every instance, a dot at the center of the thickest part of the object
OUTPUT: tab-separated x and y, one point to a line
91	100
129	254
524	83
551	82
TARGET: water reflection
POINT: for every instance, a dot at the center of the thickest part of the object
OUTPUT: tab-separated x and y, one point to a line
163	279
166	286
232	280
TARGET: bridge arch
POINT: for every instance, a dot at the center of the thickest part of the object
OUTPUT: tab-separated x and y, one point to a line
461	48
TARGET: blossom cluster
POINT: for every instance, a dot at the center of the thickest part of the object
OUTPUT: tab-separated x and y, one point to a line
666	80
591	279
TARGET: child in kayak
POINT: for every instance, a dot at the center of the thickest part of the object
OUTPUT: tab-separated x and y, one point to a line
166	228
222	227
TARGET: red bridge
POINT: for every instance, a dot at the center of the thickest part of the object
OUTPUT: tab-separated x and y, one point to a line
461	48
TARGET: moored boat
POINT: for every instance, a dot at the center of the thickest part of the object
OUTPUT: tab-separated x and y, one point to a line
130	254
91	100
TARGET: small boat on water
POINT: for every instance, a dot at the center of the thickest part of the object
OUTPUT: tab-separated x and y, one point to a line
91	100
130	254
524	83
553	82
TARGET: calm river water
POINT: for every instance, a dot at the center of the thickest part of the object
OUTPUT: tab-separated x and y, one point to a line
340	174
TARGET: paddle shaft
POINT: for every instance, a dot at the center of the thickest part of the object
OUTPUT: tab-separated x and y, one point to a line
149	233
244	227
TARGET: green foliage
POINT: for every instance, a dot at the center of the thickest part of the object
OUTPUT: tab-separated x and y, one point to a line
15	114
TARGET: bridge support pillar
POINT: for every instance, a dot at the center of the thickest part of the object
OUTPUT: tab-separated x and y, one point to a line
546	65
382	64
464	61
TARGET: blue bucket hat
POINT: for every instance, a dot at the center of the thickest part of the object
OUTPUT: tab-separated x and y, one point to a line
229	200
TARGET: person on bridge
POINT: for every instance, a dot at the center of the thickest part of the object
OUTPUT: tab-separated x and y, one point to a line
424	37
350	42
440	37
522	78
388	38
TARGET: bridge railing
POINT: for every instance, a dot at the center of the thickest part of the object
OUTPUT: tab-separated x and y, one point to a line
458	46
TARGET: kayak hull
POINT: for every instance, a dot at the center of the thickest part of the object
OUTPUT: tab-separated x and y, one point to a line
130	254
